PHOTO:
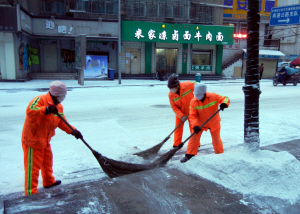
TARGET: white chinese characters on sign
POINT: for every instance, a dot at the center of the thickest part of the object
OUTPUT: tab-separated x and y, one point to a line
198	35
175	35
62	29
219	37
138	34
187	35
163	35
50	24
151	34
208	36
285	12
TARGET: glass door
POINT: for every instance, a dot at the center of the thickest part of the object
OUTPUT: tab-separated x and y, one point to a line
166	58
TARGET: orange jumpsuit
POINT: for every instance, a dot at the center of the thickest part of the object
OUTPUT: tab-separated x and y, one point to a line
199	113
180	105
37	132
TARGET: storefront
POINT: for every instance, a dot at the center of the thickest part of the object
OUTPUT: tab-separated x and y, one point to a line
270	60
179	48
40	46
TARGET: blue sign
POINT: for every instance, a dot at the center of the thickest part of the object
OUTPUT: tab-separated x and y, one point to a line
287	15
96	66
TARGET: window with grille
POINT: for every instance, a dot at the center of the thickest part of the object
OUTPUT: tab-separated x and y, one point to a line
165	10
151	9
56	7
135	8
202	14
94	6
178	11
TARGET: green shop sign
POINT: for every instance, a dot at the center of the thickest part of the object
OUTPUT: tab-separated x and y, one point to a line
176	33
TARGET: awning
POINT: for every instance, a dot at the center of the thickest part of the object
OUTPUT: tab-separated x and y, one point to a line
267	54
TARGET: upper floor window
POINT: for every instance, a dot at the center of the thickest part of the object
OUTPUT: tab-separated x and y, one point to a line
201	14
56	6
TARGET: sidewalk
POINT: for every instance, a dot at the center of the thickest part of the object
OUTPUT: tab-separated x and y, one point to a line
162	190
44	84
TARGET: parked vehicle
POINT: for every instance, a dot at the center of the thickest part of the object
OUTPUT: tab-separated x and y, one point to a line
291	76
280	64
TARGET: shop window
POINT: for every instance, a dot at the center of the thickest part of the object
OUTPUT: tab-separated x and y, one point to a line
201	60
166	58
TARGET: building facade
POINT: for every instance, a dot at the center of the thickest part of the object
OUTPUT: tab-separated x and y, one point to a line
237	17
288	34
37	37
179	48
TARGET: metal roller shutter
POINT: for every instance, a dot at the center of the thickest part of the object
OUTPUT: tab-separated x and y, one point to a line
50	58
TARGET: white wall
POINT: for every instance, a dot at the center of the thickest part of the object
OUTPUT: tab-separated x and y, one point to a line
229	71
281	3
7	56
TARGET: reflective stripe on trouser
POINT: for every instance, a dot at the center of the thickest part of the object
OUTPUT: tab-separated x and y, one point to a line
194	143
179	131
34	160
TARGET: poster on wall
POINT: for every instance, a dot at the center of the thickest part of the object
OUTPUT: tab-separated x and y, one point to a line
96	66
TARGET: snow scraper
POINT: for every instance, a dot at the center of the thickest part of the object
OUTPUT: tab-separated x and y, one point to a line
153	150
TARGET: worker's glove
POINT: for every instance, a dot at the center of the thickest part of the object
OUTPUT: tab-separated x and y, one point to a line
184	118
51	110
77	134
197	129
223	105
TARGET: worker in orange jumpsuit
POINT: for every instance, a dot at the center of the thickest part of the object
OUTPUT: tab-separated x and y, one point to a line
39	127
180	96
202	107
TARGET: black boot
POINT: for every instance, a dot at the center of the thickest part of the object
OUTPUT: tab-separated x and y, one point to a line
58	182
186	158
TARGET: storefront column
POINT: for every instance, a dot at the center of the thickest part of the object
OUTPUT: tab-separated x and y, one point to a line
184	58
148	57
219	59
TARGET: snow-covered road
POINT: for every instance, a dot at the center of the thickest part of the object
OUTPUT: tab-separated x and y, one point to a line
119	120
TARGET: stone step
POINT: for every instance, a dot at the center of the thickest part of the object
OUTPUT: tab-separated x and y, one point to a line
54	76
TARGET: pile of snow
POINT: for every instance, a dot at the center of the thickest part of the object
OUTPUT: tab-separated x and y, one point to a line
261	173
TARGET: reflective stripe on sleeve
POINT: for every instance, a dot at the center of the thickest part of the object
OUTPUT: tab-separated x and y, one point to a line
34	103
226	100
205	106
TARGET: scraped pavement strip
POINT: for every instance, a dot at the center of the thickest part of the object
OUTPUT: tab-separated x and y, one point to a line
156	191
162	190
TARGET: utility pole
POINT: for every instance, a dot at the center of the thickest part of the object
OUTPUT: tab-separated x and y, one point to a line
119	42
252	88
